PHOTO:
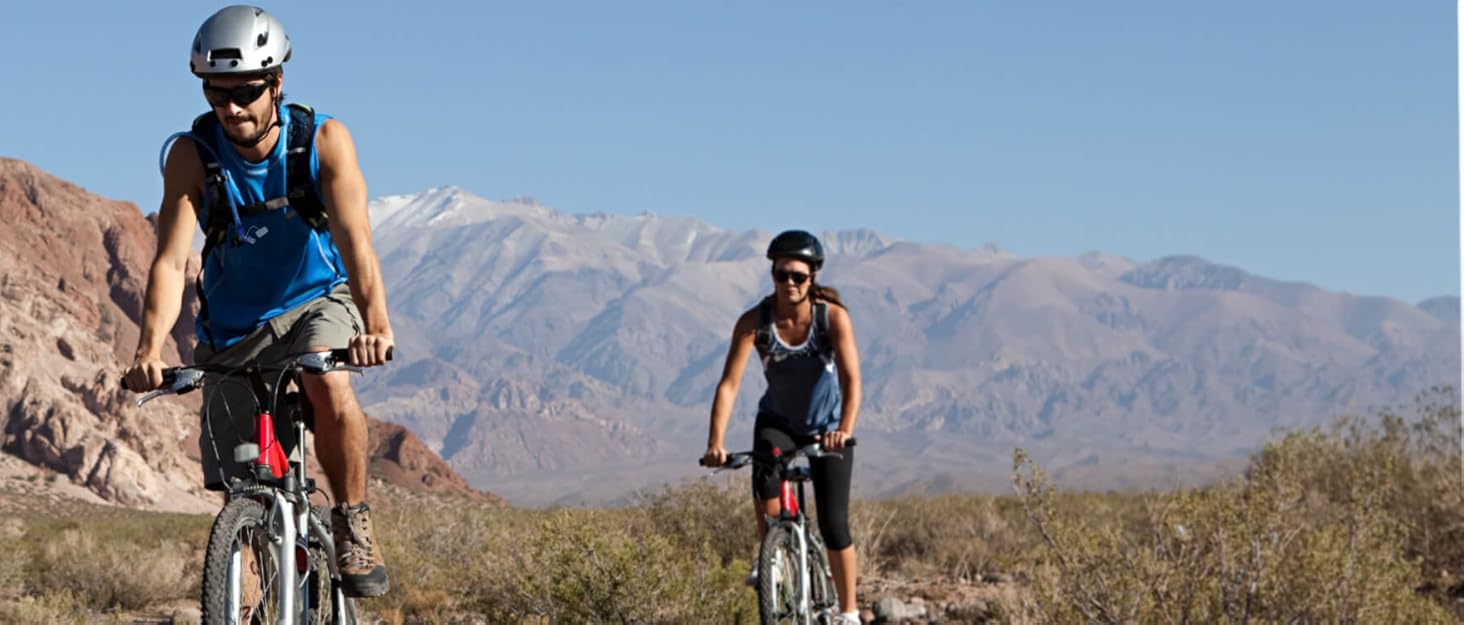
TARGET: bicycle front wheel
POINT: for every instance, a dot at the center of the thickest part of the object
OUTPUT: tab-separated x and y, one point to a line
325	602
825	596
241	567
779	570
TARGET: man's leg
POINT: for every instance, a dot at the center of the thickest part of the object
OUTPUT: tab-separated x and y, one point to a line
340	445
340	442
340	433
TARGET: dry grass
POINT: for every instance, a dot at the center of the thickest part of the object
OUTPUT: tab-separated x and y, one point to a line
90	566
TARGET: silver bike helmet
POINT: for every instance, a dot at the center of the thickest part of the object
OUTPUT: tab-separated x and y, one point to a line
239	39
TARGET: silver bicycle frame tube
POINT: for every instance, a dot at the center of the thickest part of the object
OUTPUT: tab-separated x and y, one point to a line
286	551
236	566
302	518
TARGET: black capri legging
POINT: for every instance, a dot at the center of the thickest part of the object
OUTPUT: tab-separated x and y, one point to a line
831	478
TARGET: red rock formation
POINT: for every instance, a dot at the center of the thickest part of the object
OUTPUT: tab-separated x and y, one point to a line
398	457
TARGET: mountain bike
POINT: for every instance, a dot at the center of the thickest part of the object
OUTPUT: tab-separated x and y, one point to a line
270	557
794	584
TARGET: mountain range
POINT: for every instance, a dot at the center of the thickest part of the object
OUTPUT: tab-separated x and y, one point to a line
561	358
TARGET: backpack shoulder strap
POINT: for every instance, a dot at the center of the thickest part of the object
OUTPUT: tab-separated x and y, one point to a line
204	120
821	327
764	339
215	219
299	151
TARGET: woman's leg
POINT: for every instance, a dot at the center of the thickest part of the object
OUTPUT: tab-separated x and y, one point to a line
831	479
765	486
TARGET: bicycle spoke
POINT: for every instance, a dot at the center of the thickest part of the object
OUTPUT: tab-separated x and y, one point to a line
257	572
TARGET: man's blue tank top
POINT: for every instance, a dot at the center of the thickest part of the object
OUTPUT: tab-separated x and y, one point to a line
287	263
803	393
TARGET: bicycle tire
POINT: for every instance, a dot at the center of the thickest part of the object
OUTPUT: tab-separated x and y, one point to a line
825	595
777	582
321	607
241	522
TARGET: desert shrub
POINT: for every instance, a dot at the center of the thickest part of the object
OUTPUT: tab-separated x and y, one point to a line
55	608
558	566
13	557
1326	525
117	560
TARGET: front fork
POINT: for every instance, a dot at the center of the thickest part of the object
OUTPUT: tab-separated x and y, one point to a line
790	504
286	547
290	514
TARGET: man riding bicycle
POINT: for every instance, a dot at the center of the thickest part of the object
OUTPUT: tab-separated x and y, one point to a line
288	264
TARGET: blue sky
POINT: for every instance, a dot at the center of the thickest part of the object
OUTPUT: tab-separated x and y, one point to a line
1301	140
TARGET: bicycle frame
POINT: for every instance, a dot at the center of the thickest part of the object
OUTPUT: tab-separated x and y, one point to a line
790	509
278	483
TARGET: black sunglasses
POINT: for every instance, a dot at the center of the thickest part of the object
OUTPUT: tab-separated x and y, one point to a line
242	95
780	276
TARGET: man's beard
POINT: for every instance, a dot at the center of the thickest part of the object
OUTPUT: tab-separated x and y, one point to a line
259	135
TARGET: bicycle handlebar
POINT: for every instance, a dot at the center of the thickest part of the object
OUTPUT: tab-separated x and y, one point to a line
180	380
742	458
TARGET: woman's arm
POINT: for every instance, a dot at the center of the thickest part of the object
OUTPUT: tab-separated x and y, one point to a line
744	333
846	356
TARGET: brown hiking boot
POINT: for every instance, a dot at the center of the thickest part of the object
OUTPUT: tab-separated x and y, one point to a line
363	572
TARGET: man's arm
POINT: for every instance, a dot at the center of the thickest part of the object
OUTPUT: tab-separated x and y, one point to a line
344	192
177	218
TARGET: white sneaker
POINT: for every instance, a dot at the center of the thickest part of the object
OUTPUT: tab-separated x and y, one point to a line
751	579
844	619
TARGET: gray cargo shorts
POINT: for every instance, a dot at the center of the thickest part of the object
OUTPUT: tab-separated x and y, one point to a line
229	407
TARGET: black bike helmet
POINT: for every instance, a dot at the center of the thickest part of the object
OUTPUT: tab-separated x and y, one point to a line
797	244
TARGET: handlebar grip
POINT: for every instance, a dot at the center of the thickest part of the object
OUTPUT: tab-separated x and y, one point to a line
170	375
344	354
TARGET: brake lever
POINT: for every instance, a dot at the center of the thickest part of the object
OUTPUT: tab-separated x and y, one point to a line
816	450
736	463
151	395
187	380
184	381
319	363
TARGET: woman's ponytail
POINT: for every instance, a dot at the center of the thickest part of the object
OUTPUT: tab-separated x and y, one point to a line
826	293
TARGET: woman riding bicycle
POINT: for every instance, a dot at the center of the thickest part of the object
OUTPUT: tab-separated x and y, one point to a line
805	340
